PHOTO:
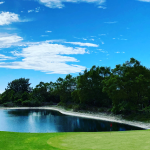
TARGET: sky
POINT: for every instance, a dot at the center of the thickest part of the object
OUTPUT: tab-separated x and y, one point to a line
46	39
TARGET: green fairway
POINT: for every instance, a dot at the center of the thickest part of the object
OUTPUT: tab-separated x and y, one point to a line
129	140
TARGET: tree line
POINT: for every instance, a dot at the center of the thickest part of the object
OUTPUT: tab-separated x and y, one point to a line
124	89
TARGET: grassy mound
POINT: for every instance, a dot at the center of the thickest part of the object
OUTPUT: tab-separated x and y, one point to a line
129	140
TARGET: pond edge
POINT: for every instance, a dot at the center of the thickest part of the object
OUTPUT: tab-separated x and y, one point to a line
90	115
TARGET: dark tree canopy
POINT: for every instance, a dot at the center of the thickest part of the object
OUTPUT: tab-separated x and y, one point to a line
19	85
128	86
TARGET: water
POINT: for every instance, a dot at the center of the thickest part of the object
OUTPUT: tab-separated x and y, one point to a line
42	121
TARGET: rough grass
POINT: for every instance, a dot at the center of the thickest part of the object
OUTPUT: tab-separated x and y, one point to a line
128	140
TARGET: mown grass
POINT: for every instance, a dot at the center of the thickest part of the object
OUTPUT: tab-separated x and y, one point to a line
128	140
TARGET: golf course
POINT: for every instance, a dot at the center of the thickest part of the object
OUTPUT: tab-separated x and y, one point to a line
129	140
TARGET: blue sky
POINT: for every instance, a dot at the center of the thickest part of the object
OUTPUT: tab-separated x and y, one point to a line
46	39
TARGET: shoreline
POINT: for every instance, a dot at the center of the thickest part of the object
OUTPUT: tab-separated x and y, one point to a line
90	115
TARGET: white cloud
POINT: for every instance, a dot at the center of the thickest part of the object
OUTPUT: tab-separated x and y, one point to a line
29	11
102	34
102	7
101	50
101	41
48	31
83	44
111	22
47	58
59	3
54	41
9	28
34	10
8	17
44	35
8	40
114	38
144	1
37	9
1	2
3	57
124	39
100	60
117	52
84	39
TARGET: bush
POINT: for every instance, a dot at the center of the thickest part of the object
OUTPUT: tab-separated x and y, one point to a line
8	104
76	107
26	103
61	104
75	96
35	102
47	103
18	102
101	109
31	103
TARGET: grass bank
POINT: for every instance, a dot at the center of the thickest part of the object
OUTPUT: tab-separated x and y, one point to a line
129	140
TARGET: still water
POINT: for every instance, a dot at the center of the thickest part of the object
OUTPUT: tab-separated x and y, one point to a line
35	121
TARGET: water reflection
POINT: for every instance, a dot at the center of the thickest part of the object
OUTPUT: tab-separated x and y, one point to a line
52	121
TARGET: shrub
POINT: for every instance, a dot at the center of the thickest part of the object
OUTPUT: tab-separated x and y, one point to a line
26	103
8	104
76	107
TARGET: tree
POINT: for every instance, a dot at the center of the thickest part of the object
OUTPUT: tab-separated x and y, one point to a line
16	91
64	88
128	87
19	85
7	96
90	86
41	92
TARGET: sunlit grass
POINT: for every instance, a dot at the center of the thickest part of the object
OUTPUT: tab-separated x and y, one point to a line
128	140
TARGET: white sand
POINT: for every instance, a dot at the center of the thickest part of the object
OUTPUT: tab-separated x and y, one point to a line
98	116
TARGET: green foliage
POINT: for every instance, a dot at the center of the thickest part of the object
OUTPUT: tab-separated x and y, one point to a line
128	87
7	96
90	86
26	103
8	104
19	85
17	91
75	96
64	88
76	107
18	102
34	102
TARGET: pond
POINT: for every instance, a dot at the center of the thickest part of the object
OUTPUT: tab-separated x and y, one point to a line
42	121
